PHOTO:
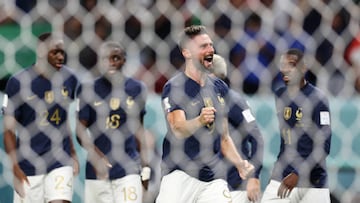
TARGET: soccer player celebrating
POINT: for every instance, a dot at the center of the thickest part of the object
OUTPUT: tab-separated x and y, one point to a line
299	174
197	128
37	135
110	128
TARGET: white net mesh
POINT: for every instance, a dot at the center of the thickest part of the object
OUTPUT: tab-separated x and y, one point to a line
249	34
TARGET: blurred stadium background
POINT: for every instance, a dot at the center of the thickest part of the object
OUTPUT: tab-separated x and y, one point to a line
250	34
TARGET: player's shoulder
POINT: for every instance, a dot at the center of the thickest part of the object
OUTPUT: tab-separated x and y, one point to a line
177	80
315	91
22	73
220	85
278	92
235	97
135	82
69	72
134	86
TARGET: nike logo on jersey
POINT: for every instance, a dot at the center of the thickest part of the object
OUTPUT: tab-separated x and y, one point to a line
97	103
194	103
31	97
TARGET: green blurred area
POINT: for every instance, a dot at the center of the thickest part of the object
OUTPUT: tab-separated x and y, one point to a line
23	55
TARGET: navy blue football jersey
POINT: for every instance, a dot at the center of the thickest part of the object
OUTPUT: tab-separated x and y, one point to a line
40	106
198	155
114	113
305	130
246	136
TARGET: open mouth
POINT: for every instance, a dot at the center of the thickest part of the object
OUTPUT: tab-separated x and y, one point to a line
208	58
59	65
286	78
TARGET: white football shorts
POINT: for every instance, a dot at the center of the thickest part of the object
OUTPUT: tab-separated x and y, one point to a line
56	185
298	194
179	187
127	189
239	196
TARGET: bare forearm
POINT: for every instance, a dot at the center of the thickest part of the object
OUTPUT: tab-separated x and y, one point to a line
10	138
184	129
230	152
83	137
10	145
180	126
143	146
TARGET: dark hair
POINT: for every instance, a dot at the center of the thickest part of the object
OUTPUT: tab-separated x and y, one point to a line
296	52
190	32
108	45
44	36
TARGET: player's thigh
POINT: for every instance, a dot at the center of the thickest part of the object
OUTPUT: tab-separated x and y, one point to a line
270	193
239	196
59	184
216	191
34	192
178	187
128	189
98	191
310	195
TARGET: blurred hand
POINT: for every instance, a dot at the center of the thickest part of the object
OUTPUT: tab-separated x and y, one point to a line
245	169
76	166
100	163
287	185
19	179
102	167
207	115
145	184
253	189
145	176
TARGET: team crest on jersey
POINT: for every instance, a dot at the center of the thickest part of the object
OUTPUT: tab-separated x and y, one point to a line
49	96
64	92
299	114
129	102
114	103
221	100
287	113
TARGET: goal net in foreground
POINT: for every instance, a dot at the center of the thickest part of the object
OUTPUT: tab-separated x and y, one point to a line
250	35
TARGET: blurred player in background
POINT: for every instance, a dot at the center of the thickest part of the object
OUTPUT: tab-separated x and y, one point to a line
110	128
299	174
197	128
247	138
37	134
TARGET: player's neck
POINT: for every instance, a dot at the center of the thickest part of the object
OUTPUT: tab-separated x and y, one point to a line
196	74
293	90
116	78
44	68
